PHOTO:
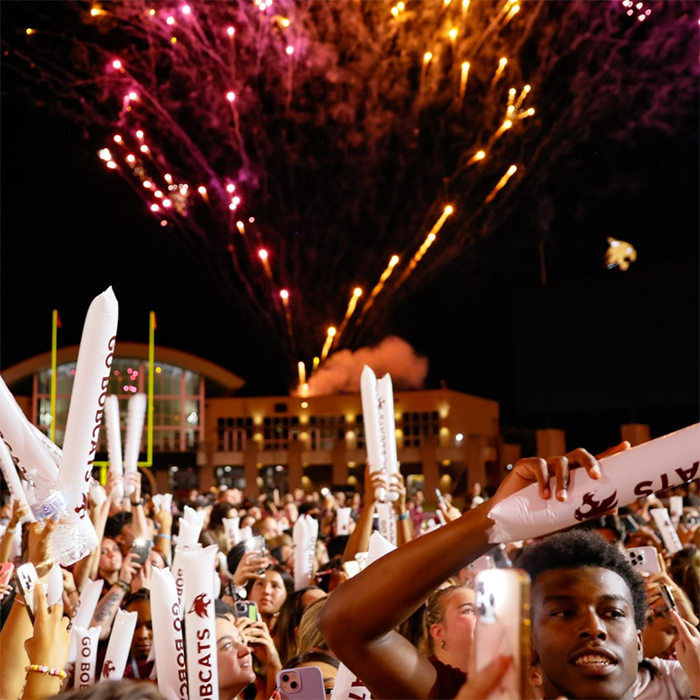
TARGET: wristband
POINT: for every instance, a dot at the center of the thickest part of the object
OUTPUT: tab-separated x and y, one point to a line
39	668
10	529
403	516
137	503
126	587
165	537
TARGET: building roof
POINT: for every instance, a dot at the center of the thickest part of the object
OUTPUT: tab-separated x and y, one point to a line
219	381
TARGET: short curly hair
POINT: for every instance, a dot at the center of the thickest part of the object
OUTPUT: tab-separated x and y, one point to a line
579	548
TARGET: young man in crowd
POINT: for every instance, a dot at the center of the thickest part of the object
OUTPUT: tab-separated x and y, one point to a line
587	607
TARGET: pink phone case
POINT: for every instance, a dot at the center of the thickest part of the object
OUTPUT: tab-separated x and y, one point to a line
644	559
6	570
503	625
301	684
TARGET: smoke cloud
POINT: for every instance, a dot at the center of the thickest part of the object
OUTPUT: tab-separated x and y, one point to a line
341	371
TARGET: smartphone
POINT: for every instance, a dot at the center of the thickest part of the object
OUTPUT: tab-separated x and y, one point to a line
27	580
301	684
6	570
644	559
631	524
441	498
142	548
503	626
668	597
258	545
245	608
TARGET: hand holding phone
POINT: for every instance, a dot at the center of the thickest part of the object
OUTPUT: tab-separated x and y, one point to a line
27	580
142	549
503	626
301	684
441	499
246	608
668	598
258	546
644	559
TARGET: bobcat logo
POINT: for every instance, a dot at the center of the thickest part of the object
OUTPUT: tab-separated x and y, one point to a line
596	508
82	508
200	605
619	254
108	668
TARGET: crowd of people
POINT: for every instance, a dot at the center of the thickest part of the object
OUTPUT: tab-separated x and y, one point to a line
405	625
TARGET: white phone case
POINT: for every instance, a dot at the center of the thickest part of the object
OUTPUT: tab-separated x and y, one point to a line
644	559
27	580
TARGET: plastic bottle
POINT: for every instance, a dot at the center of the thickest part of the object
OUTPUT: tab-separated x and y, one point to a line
68	544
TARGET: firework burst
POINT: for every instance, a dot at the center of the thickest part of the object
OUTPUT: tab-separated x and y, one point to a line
296	146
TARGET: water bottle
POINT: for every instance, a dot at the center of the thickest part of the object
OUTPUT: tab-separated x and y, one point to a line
68	544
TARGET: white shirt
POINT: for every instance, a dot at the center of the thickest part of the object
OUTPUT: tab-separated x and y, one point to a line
671	683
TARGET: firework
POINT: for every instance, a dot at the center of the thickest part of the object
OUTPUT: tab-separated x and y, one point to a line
356	294
501	184
327	345
337	132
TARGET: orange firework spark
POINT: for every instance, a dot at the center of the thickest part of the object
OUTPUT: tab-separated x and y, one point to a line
429	240
380	285
356	294
284	295
501	184
328	343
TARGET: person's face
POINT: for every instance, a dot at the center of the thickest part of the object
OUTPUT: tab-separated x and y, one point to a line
330	673
268	528
254	512
584	634
457	626
234	660
287	558
659	638
156	559
110	556
269	593
125	539
143	634
247	521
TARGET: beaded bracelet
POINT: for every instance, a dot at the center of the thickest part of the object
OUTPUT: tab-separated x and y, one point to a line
126	587
39	668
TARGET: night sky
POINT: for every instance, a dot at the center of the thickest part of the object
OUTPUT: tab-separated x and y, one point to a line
588	350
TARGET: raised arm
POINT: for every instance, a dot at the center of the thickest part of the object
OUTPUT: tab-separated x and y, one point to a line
18	627
359	539
18	510
359	618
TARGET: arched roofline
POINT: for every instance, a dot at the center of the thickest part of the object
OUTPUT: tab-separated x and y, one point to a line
228	381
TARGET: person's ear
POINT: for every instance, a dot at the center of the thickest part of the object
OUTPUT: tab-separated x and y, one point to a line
536	674
437	632
640	647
